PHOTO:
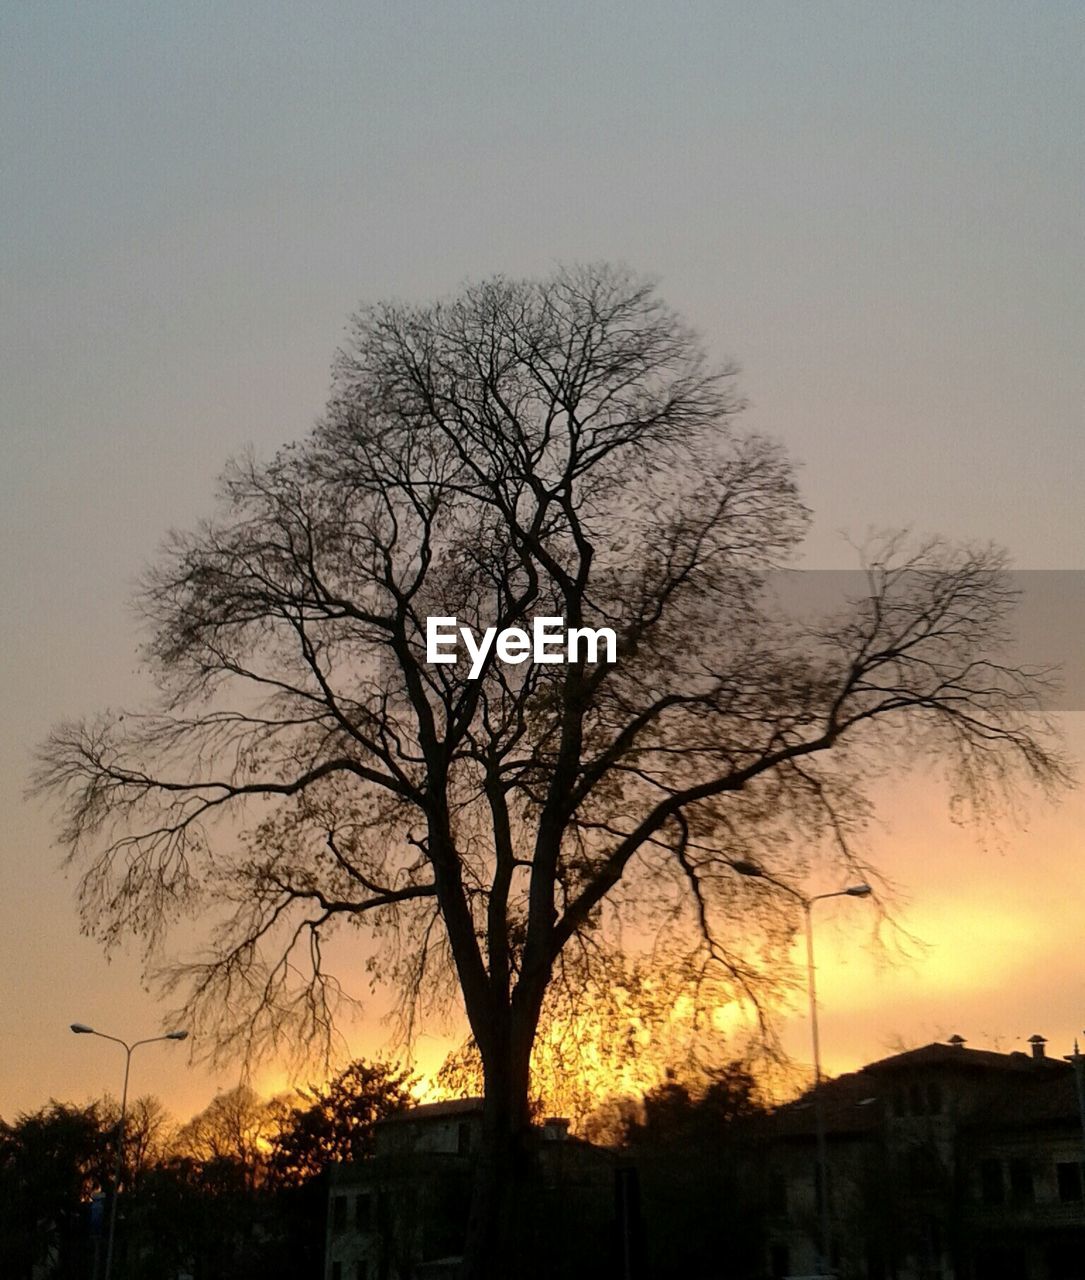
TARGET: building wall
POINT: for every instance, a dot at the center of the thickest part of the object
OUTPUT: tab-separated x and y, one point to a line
950	1174
404	1212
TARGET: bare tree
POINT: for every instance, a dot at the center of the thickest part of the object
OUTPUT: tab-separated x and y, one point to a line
235	1129
148	1132
529	449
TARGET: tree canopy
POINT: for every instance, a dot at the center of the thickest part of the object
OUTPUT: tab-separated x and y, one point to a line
335	1123
235	1190
51	1162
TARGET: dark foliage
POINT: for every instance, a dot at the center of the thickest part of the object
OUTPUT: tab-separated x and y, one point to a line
337	1122
700	1206
51	1162
237	1192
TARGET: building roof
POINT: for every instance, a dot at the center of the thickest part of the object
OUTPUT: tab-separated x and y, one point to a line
958	1057
850	1105
1018	1089
448	1108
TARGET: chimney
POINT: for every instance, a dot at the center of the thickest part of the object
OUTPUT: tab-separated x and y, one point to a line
958	1042
555	1129
1037	1043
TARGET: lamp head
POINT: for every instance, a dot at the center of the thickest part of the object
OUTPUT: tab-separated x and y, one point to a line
176	1035
859	891
81	1029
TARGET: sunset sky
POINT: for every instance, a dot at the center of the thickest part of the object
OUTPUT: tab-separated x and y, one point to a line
876	209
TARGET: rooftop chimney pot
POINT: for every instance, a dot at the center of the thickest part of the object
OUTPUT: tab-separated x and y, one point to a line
958	1042
1038	1043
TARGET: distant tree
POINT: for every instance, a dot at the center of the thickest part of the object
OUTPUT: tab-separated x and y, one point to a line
208	1201
197	1200
149	1131
336	1122
668	1111
230	1139
731	1094
681	1110
537	449
609	1121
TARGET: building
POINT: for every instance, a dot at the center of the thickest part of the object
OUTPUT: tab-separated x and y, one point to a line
943	1163
402	1214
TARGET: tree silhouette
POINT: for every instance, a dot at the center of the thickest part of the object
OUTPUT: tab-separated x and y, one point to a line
694	1145
556	448
231	1137
51	1162
336	1122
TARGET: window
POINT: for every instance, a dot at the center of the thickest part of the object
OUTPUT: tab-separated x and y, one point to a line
991	1189
934	1098
363	1211
339	1213
915	1097
361	1271
777	1192
1021	1189
1068	1175
337	1271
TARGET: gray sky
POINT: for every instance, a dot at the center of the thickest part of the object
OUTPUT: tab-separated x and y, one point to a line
876	209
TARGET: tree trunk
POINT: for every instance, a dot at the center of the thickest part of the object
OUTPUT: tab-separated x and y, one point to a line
498	1225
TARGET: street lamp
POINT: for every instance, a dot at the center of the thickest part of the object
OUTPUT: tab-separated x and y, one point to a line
81	1029
863	890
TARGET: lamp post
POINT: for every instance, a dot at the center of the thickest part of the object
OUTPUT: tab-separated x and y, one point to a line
81	1029
754	870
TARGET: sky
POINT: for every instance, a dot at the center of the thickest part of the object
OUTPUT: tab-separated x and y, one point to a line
875	208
